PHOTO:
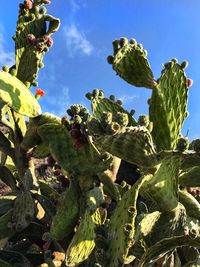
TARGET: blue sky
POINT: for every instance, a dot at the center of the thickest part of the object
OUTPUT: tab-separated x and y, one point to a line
77	62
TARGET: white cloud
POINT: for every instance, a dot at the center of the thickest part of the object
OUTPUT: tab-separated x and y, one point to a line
60	102
76	41
6	58
74	7
126	98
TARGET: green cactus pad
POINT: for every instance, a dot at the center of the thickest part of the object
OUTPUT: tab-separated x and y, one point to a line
48	191
94	198
46	118
164	246
5	145
195	145
15	258
110	187
31	138
121	227
6	203
83	241
17	96
168	106
130	63
7	177
60	145
4	263
162	187
29	179
29	54
190	177
133	144
190	203
168	224
5	219
5	115
68	156
101	104
23	212
67	214
190	160
41	151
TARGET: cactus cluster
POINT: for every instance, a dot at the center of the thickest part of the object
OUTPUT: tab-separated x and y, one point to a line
80	215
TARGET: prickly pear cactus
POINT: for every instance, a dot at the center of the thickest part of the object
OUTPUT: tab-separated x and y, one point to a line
83	241
70	210
130	63
162	187
14	93
24	210
5	225
67	215
32	39
121	227
112	136
101	104
168	105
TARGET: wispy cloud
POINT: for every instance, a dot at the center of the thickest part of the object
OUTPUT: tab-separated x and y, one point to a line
76	41
127	98
74	8
6	58
60	102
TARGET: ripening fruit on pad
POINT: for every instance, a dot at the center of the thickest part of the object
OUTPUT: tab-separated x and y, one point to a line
14	93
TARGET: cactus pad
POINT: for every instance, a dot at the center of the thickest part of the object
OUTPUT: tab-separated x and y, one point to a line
69	156
101	104
130	63
83	241
168	106
162	187
24	210
190	177
67	214
32	40
133	144
121	227
15	94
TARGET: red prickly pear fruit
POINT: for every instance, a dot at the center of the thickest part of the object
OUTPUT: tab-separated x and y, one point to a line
31	38
50	161
46	246
57	203
75	133
76	126
49	42
63	119
47	1
57	172
28	4
189	82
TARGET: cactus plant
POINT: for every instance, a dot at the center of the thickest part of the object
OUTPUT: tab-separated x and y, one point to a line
79	215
